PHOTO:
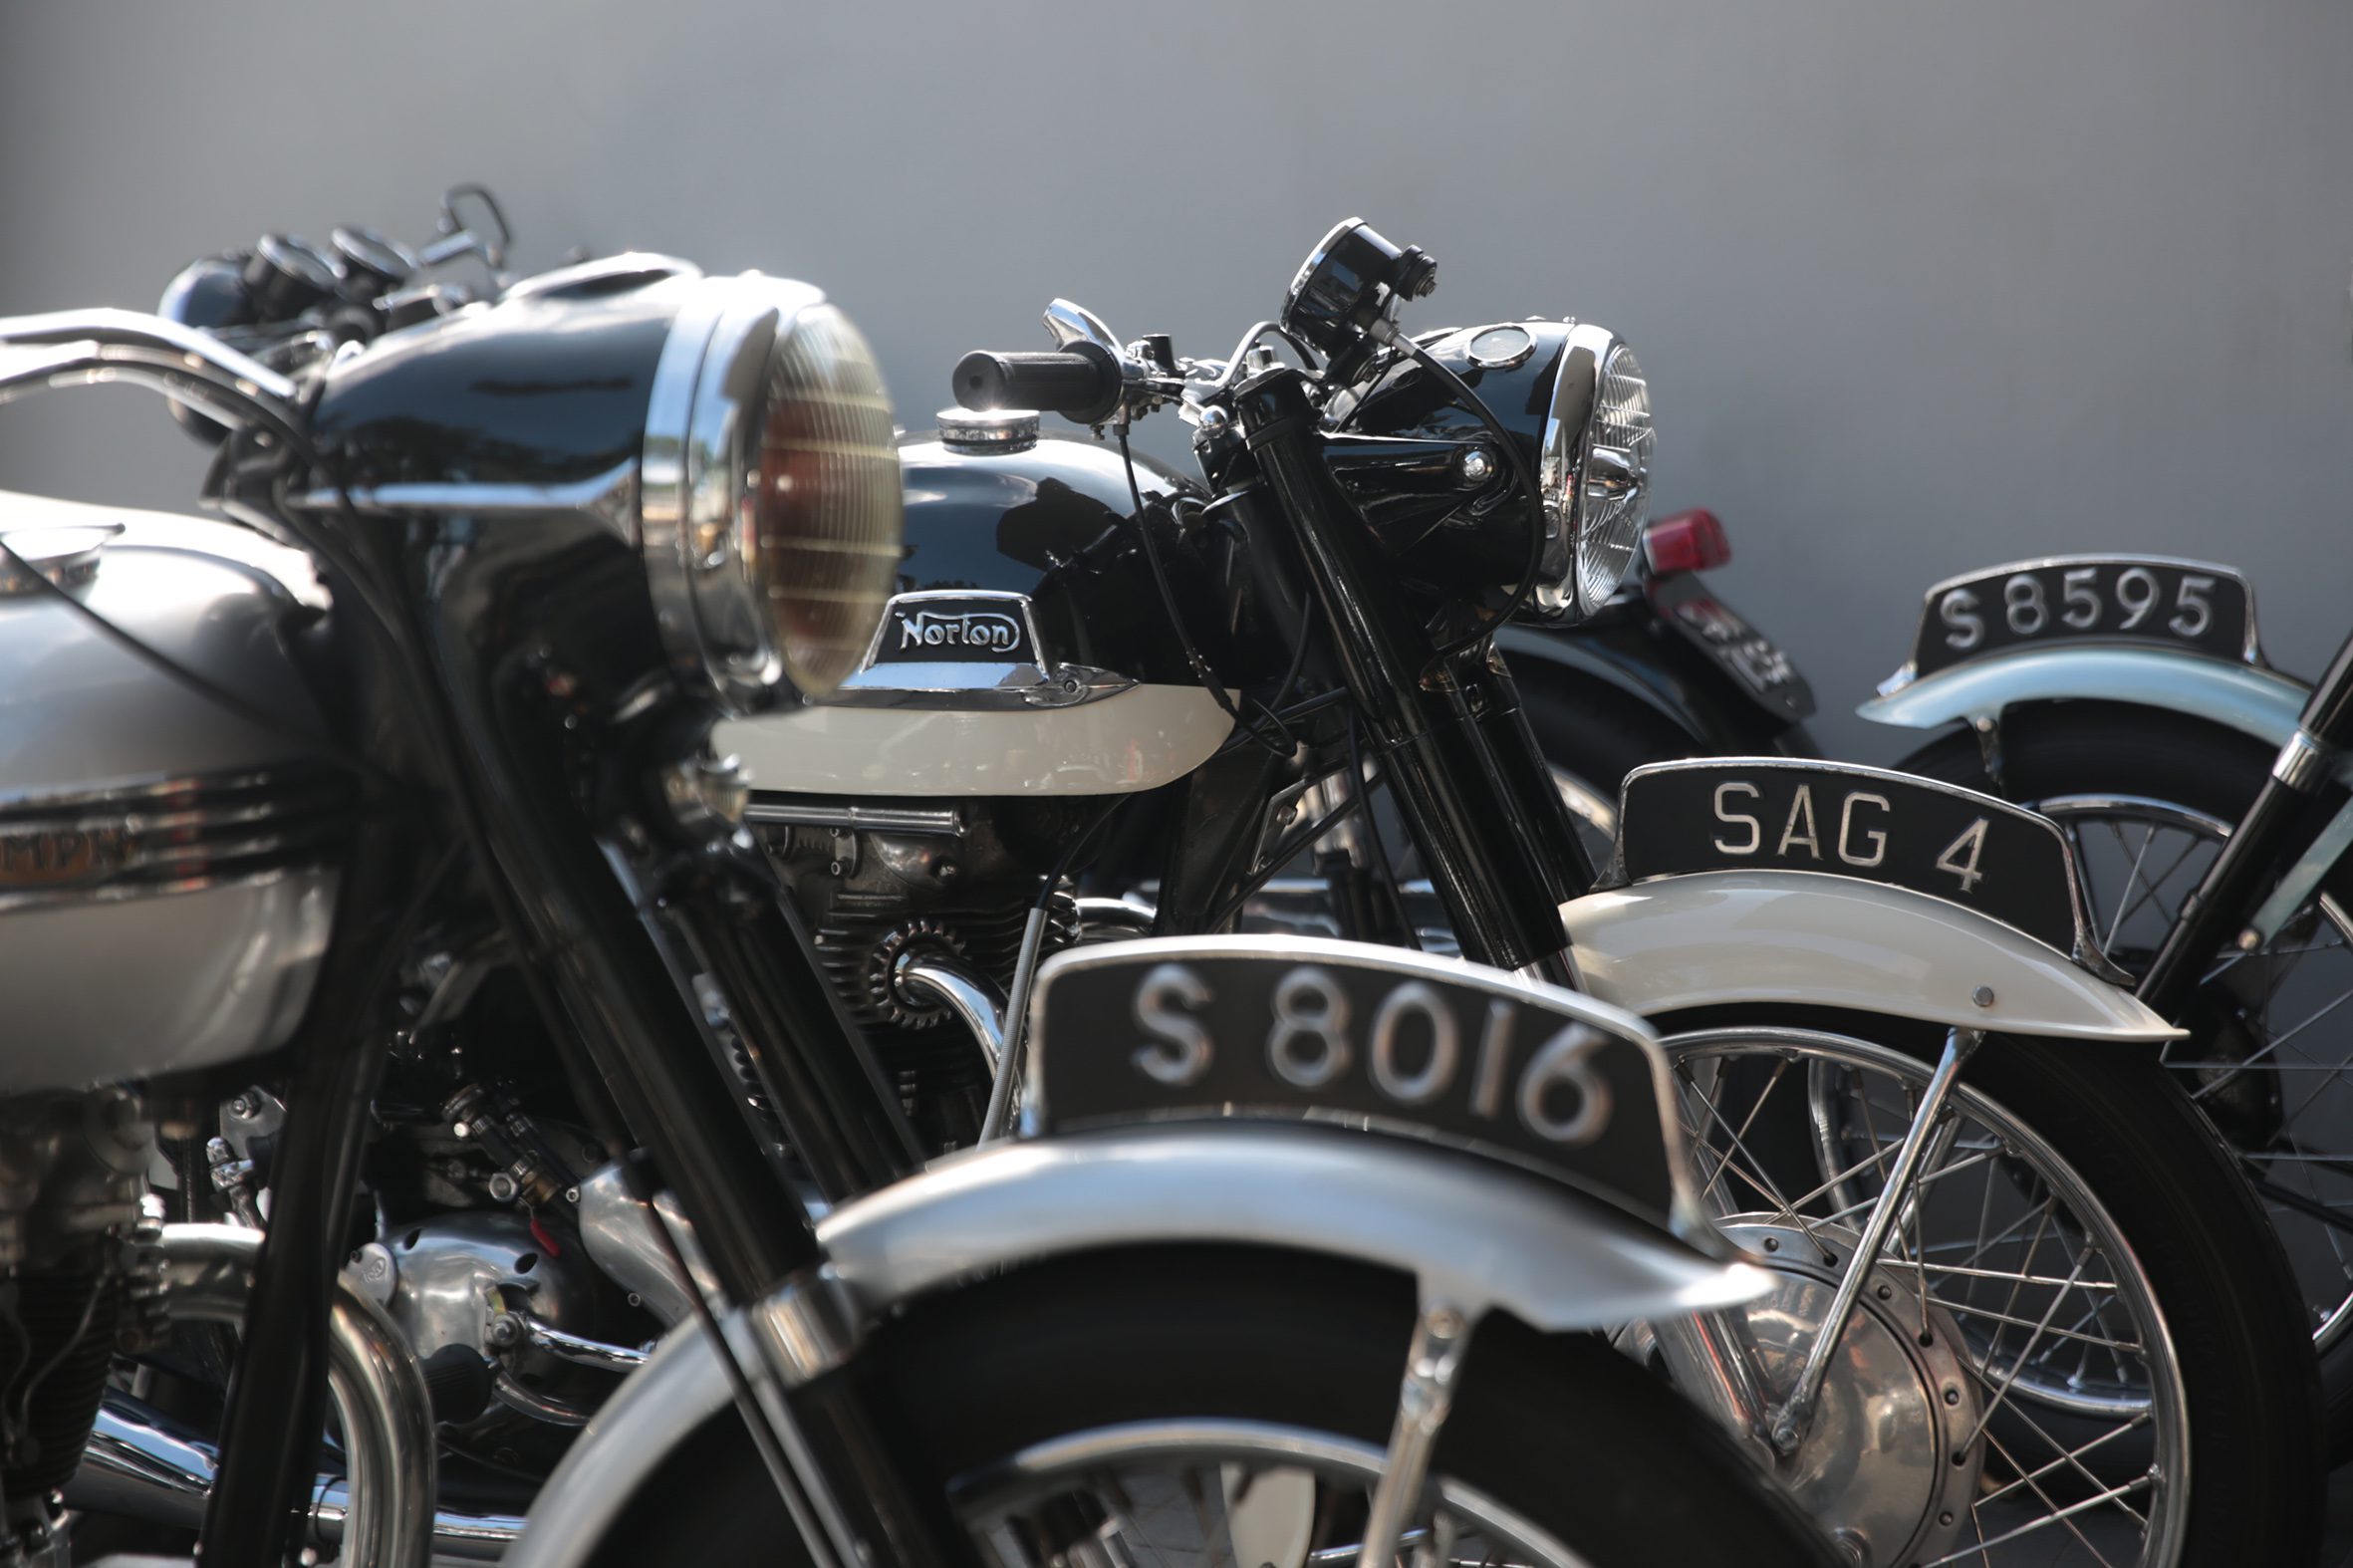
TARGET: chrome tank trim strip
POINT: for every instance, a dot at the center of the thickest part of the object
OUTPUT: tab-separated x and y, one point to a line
1814	940
143	838
1139	739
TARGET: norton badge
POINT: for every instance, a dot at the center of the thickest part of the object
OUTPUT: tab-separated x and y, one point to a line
924	627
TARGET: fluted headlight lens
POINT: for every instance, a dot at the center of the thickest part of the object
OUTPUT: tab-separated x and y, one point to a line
825	519
771	508
1596	474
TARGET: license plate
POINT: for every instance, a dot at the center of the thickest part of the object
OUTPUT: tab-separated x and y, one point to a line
1781	814
2191	606
1304	1027
1686	603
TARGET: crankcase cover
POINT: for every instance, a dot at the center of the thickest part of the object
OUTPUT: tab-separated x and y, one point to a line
167	863
1026	649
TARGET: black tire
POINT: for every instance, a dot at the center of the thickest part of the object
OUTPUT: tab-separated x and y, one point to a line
1560	1429
2172	1186
2056	749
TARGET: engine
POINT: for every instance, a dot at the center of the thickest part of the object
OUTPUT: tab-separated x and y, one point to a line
885	883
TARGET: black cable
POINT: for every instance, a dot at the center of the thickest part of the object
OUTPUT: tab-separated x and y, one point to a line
1071	851
1397	891
1303	709
1521	471
1281	745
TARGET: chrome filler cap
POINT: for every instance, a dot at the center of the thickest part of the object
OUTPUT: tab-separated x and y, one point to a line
988	429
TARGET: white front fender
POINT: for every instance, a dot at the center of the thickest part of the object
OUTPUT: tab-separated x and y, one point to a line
1806	939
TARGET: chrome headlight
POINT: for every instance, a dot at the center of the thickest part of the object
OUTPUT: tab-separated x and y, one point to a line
1595	474
770	504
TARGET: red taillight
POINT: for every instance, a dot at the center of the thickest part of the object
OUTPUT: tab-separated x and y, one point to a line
1692	541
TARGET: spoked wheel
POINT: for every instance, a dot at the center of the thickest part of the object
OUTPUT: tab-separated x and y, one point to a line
1204	1407
2049	1362
2148	801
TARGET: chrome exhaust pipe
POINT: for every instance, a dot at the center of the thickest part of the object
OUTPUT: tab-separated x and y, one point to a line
143	1465
384	1515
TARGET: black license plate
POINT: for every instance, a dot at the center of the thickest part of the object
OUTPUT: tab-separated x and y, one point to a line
1780	813
2187	604
1308	1027
1686	603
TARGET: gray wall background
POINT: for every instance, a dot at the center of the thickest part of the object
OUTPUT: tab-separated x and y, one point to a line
1918	286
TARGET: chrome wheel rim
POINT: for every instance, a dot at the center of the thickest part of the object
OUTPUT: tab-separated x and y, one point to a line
1176	1494
2085	1428
2277	1075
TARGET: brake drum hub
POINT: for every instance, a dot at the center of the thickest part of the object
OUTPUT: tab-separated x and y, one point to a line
1888	1462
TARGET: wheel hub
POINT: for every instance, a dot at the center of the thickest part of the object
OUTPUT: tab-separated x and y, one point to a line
1889	1463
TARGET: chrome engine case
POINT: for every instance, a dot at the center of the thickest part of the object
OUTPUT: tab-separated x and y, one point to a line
167	866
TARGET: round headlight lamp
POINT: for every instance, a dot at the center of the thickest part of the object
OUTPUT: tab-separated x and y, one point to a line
770	502
1595	473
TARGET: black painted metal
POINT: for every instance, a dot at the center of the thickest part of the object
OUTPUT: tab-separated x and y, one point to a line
1443	767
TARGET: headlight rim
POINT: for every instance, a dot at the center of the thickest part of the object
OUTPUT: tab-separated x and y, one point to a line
1586	356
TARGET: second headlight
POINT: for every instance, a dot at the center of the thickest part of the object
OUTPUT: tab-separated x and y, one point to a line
1595	472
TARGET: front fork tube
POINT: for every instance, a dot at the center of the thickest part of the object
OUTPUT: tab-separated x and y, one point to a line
1477	828
2222	899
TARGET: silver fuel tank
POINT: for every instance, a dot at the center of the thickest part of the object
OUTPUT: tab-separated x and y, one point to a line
166	876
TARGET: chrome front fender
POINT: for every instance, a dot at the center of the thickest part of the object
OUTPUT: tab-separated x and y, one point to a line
2259	702
1475	1233
1806	939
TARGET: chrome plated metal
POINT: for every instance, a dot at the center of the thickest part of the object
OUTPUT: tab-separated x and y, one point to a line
94	346
1433	1364
809	1328
610	495
458	1273
616	1230
1126	916
1568	463
629	269
66	556
959	684
815	812
1716	937
998	1118
1501	347
928	980
1893	1459
581	1351
1068	323
1786	1426
386	1519
988	429
2302	762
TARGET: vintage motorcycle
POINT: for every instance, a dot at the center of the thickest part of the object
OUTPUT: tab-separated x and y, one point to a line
402	770
2128	698
1107	698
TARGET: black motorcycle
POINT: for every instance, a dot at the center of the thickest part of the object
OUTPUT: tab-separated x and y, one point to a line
2128	698
399	778
1112	700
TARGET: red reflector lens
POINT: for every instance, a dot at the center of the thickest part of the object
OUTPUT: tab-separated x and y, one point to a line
1692	541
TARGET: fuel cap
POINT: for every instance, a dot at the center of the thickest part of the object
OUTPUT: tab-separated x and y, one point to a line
988	429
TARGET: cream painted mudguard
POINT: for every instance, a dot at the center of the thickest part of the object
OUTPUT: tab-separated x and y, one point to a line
2259	702
1805	938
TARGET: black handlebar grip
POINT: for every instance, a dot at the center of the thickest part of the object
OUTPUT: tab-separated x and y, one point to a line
1082	383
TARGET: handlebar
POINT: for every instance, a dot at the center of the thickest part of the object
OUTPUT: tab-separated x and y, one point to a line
1082	382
